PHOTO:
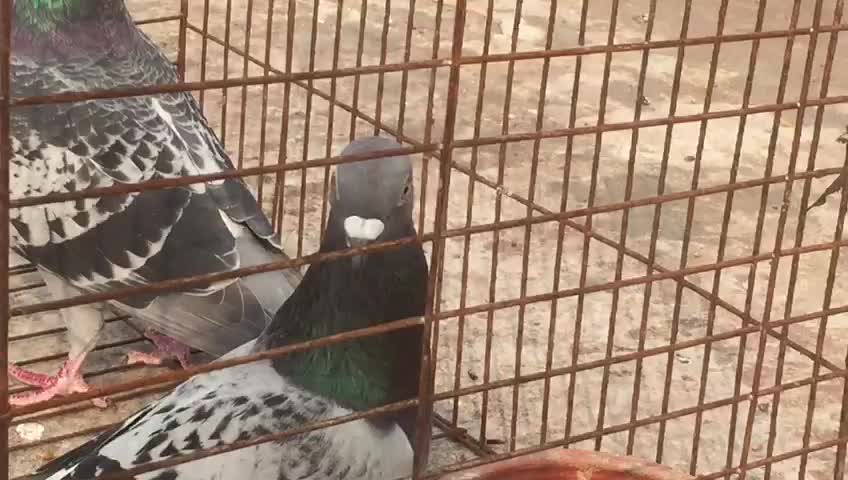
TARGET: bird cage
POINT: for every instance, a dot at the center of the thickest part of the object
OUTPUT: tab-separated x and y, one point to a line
632	211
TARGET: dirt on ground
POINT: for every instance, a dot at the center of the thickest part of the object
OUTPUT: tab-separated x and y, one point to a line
662	389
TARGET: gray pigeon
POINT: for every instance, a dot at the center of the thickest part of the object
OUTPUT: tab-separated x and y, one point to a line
134	239
372	201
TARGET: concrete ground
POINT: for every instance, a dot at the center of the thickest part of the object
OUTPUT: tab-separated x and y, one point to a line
583	324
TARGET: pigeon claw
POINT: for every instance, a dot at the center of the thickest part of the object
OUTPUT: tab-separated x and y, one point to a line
69	380
166	347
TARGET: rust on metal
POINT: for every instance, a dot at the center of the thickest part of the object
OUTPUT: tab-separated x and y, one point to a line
751	387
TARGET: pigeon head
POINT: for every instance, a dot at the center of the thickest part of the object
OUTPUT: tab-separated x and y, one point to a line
372	200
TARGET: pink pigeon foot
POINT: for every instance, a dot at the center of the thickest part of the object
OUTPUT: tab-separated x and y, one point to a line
69	380
166	347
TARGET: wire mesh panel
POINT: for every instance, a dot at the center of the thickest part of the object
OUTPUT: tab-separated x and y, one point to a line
615	201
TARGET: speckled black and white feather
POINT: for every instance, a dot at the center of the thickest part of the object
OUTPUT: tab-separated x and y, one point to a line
241	403
137	238
303	387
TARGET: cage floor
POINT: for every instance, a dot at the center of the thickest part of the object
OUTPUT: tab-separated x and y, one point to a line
595	404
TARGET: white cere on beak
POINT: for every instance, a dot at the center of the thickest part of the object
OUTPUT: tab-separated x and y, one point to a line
359	228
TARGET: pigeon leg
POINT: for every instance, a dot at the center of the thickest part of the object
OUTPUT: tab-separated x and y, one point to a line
69	380
84	323
166	347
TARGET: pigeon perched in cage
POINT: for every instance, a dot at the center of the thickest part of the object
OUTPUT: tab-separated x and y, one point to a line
131	239
372	201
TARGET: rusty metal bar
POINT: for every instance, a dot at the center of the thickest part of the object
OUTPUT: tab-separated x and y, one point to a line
636	355
395	67
192	179
828	292
505	123
162	19
331	114
625	220
566	177
381	77
5	159
184	374
428	371
307	123
629	357
263	127
188	282
742	351
587	238
534	169
228	14
799	240
472	181
778	239
429	118
687	229
282	154
204	37
244	68
360	48
728	209
750	325
181	41
661	186
839	470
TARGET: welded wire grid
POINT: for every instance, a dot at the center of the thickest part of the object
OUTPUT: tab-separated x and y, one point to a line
627	263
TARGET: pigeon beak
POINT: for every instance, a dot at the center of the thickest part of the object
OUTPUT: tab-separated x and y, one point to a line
360	232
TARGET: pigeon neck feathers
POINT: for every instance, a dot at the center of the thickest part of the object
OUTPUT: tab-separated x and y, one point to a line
66	29
334	298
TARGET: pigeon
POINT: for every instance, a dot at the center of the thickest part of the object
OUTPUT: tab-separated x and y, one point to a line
371	201
133	239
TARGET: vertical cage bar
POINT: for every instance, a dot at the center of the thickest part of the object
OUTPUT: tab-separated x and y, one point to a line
381	77
661	186
510	75
181	45
531	198
625	218
5	158
725	226
331	115
204	49
690	217
357	79
245	68
404	75
475	151
428	120
283	153
307	123
774	264
596	163
834	259
793	276
839	468
263	127
228	20
427	375
752	270
566	178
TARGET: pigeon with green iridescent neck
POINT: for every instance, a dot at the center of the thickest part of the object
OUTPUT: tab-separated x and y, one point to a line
133	239
371	201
